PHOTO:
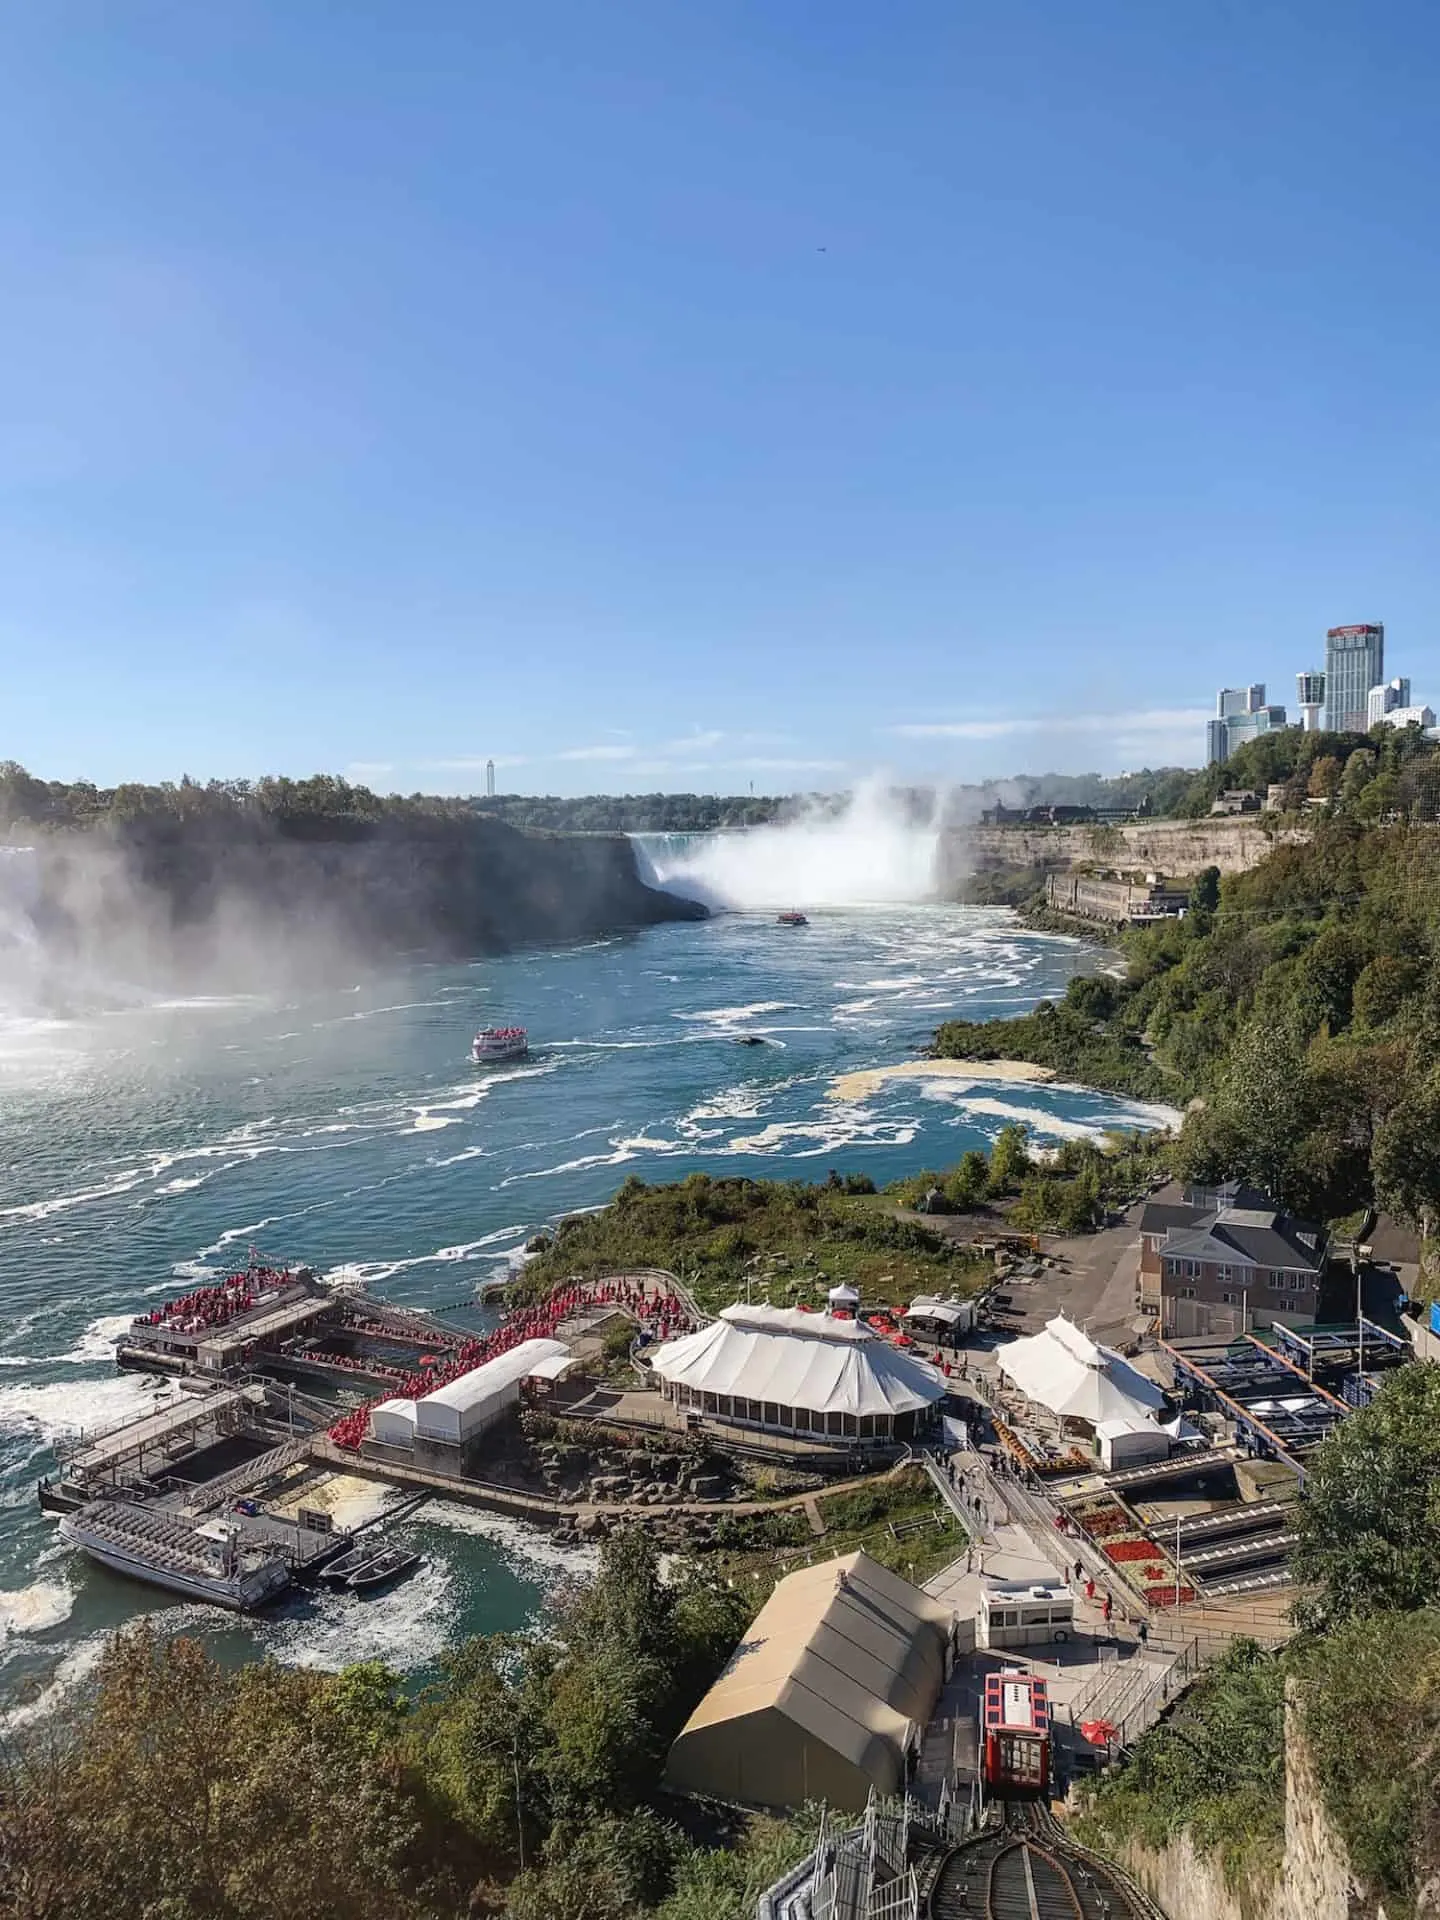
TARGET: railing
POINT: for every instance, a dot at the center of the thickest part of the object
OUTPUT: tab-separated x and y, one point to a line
860	1873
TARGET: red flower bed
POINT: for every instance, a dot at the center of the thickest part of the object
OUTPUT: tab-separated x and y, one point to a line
1165	1596
1129	1550
1100	1526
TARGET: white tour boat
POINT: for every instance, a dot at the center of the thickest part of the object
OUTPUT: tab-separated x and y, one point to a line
493	1044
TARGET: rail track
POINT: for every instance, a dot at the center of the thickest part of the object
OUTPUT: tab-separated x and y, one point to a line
1028	1868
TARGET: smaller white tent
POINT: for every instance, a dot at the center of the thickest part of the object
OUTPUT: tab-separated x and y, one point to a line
454	1414
1063	1369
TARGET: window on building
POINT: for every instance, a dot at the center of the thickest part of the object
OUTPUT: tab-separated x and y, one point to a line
1229	1299
1187	1293
1277	1282
1224	1278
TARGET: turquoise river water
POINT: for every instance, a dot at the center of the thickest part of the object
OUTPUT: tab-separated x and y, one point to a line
144	1149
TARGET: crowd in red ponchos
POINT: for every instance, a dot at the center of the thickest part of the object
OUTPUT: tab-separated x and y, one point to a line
657	1310
213	1306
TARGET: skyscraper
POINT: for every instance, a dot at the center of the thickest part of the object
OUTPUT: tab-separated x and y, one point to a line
1240	713
1383	700
1354	662
1310	692
489	779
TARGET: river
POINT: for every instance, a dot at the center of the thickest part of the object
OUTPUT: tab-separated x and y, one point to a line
147	1148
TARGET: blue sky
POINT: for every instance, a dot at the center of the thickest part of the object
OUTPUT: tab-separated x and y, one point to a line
685	396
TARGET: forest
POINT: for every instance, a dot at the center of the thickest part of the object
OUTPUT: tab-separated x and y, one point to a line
1300	1002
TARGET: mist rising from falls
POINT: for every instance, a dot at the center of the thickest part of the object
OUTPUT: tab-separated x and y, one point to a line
871	853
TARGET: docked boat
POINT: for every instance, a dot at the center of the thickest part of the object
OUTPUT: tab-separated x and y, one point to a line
337	1572
383	1569
792	917
494	1044
211	1562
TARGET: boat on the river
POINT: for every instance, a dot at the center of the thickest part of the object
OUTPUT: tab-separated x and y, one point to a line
792	917
494	1044
383	1568
338	1571
210	1562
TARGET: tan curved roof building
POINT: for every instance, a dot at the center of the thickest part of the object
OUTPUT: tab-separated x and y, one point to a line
831	1687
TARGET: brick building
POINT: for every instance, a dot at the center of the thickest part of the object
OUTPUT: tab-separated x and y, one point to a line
1236	1264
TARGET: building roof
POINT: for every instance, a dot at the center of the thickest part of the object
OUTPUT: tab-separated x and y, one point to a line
474	1388
1063	1369
797	1359
1159	1216
846	1649
926	1306
1248	1236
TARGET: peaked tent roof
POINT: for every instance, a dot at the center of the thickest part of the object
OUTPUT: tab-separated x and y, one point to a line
847	1650
799	1359
1063	1369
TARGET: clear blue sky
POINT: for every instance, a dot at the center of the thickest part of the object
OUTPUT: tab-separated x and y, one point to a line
686	395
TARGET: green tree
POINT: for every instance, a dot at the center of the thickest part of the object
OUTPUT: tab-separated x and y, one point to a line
1369	1521
1406	1156
1009	1158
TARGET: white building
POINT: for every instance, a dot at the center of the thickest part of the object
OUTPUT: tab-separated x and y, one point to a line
808	1374
1410	717
1383	700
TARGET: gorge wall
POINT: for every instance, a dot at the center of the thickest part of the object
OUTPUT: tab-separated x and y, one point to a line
235	904
1170	847
1313	1881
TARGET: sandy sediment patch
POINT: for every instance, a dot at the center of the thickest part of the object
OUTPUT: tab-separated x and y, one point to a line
859	1086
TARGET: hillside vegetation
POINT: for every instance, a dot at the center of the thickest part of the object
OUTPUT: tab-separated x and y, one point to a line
781	1241
1300	1002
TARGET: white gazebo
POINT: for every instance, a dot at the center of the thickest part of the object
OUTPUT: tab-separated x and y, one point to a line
844	1297
808	1374
1063	1369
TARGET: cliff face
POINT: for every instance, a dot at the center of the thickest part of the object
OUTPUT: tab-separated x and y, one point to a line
1168	846
208	904
1314	1880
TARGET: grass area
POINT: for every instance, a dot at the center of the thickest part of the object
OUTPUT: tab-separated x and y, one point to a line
782	1242
894	1518
1068	1041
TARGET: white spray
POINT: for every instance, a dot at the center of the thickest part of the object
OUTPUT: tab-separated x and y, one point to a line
872	852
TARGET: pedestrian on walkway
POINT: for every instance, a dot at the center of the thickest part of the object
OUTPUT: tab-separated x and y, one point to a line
1106	1610
1142	1632
1089	1589
1079	1570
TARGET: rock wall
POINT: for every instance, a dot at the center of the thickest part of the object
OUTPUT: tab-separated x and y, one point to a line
237	903
1314	1881
1169	847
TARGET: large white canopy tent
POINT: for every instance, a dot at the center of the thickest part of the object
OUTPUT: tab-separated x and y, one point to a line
809	1373
1063	1369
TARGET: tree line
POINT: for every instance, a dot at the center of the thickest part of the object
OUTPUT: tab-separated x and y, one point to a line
523	1782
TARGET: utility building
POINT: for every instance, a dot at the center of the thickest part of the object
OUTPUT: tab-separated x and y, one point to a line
827	1696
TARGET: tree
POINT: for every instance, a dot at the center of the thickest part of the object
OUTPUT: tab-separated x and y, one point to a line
1369	1520
1009	1158
1406	1156
1205	890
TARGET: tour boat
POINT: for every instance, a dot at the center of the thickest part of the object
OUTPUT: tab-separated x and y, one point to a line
499	1043
792	918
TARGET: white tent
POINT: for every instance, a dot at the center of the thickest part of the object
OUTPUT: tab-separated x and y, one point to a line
843	1296
456	1413
1063	1369
791	1359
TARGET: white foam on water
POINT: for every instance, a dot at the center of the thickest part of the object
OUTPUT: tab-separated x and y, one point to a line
432	1123
70	1673
531	1546
844	1130
35	1609
97	1343
80	1406
409	1626
726	1016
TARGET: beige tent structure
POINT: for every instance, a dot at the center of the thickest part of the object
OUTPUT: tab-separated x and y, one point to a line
830	1689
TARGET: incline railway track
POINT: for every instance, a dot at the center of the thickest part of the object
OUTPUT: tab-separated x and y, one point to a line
1029	1869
